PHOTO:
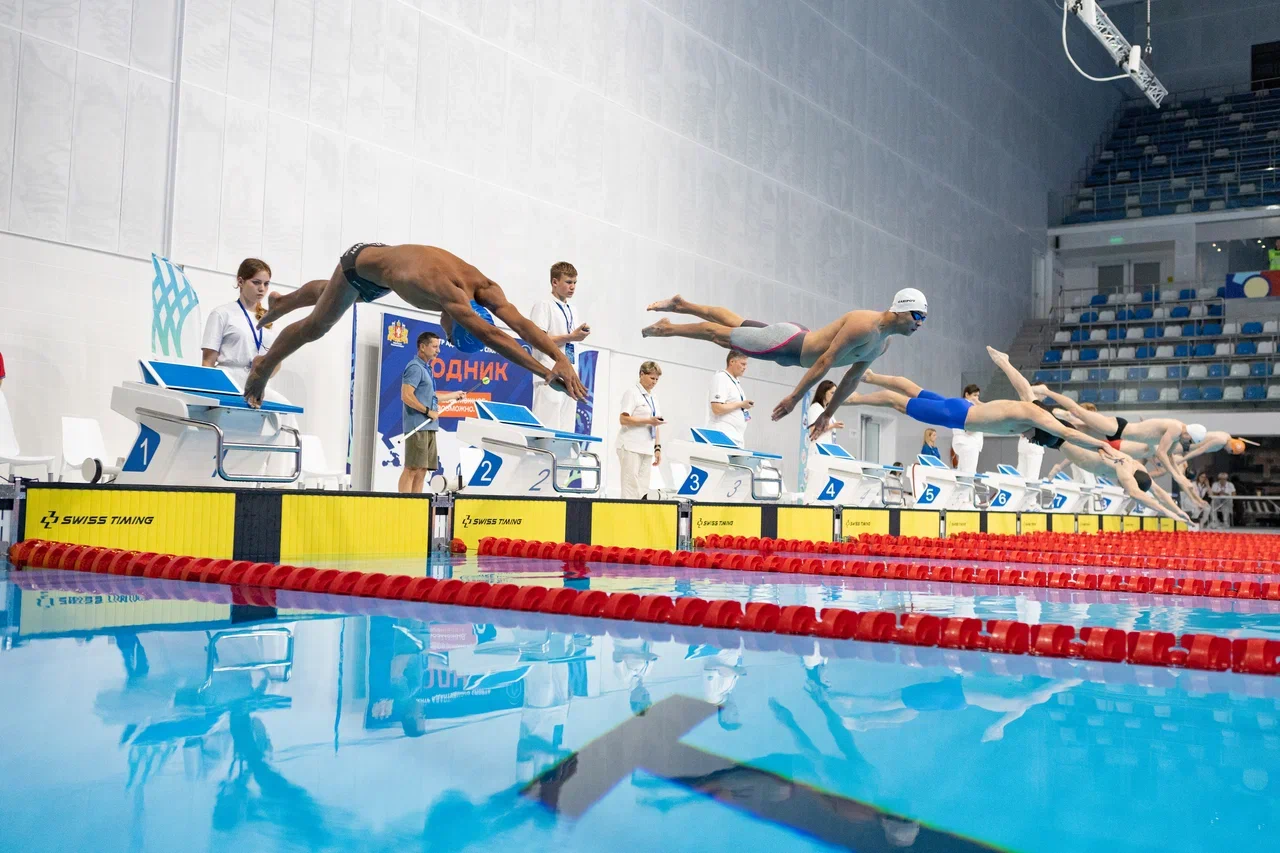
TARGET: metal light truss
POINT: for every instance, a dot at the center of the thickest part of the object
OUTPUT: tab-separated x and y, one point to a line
1118	46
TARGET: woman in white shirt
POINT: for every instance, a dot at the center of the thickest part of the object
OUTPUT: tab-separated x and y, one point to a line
232	339
638	447
821	398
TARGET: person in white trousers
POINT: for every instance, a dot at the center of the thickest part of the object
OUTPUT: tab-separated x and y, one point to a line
638	446
1030	457
556	317
967	445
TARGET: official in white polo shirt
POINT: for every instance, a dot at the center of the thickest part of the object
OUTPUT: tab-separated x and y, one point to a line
232	339
968	445
638	446
728	406
558	319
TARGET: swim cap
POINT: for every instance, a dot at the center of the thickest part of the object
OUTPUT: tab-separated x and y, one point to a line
909	299
464	340
1235	446
1197	432
1144	480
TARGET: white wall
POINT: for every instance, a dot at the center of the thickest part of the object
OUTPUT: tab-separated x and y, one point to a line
1200	44
790	158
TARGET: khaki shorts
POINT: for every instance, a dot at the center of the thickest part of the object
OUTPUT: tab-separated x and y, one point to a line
420	450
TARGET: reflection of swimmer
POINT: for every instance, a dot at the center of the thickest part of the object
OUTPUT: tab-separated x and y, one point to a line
721	670
947	694
632	661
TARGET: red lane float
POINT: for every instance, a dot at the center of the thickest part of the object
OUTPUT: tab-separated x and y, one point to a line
256	584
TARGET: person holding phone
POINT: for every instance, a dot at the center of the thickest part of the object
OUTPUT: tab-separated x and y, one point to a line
638	446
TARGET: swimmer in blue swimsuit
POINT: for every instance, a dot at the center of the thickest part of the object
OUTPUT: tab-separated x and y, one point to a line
996	417
427	278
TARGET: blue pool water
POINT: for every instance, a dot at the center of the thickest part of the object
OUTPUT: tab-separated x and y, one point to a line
331	724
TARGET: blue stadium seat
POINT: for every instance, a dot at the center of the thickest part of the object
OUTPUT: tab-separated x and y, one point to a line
1143	313
1187	293
1147	394
1255	392
1217	371
1178	312
1211	329
1113	334
1145	352
1202	351
1182	351
1189	394
1222	292
1088	395
1258	368
1246	348
1122	315
1099	374
1140	373
1212	393
1053	355
1215	310
1151	332
1108	395
1099	299
1042	376
1088	354
1188	329
1089	317
1176	371
1252	328
1150	296
1078	335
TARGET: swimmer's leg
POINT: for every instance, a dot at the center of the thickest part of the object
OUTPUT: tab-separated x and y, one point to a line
711	313
715	332
279	304
894	383
883	399
334	300
1019	382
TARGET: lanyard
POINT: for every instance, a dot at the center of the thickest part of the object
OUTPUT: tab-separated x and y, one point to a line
653	431
736	384
257	333
567	312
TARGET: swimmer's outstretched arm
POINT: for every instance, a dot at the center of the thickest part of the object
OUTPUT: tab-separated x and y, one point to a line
1171	506
1057	469
1130	486
852	334
839	397
456	305
1206	446
1162	454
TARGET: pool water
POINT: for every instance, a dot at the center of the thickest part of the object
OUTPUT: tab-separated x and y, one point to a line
146	719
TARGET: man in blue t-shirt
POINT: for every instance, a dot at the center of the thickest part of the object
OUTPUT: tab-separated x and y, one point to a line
421	403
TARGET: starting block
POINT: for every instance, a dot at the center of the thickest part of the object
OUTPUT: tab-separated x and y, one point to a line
938	487
720	471
1011	492
195	429
834	477
522	457
1110	499
1070	496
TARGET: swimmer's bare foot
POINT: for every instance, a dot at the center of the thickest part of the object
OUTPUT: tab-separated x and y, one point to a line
997	356
675	304
660	329
256	385
272	314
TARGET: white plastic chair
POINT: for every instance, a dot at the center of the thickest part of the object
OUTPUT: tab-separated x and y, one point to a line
1222	349
1239	369
1128	395
81	440
1197	371
1266	347
1159	313
1158	372
1127	353
1273	392
1164	351
1271	327
1233	392
1171	332
315	468
1168	395
1230	328
1075	395
1107	316
1079	374
1062	338
1098	335
11	458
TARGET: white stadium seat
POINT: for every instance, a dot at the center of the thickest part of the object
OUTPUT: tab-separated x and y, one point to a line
1158	372
1062	338
1168	395
1239	369
1164	351
1197	371
1233	392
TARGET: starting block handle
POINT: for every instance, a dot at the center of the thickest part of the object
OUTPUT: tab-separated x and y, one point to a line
294	450
557	466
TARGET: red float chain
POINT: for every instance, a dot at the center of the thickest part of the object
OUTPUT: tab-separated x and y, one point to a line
1154	648
1081	551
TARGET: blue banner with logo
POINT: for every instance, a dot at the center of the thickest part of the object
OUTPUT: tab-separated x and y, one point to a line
483	375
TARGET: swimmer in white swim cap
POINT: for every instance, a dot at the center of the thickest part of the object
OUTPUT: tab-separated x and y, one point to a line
853	340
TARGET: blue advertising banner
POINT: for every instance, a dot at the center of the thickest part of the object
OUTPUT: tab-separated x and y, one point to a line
453	370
